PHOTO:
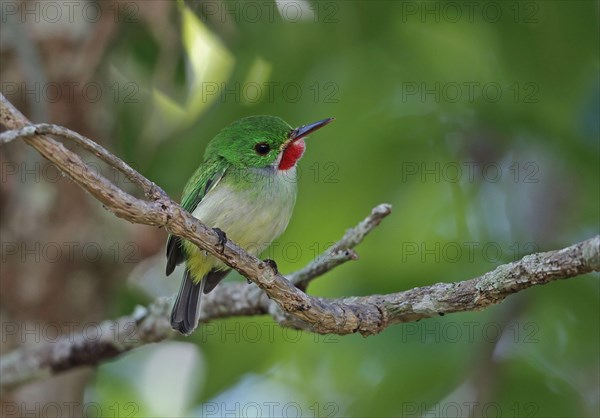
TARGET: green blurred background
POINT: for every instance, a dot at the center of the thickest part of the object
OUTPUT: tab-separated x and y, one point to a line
477	121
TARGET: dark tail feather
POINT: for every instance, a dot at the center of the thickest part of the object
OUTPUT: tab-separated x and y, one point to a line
184	316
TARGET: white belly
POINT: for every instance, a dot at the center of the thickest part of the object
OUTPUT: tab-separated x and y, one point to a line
251	214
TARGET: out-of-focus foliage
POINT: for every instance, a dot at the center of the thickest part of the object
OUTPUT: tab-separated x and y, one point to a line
477	121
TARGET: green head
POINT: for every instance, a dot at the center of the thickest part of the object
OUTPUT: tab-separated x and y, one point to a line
261	141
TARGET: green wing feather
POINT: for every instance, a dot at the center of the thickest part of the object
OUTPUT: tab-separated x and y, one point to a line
202	181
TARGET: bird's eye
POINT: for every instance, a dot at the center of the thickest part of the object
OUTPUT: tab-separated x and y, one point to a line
262	148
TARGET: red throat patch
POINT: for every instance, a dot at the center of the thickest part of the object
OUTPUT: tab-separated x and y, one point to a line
292	154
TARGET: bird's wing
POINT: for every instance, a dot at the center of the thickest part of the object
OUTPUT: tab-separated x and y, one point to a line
204	180
212	279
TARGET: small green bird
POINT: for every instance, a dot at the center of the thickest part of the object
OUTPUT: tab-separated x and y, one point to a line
245	188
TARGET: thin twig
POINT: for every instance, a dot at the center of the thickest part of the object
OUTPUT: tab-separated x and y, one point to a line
151	190
341	251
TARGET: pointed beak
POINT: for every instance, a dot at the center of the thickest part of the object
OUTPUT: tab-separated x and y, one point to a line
306	130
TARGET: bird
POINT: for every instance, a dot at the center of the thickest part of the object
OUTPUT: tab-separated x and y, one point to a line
245	189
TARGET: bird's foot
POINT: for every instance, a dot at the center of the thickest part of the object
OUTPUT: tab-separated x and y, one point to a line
222	239
272	264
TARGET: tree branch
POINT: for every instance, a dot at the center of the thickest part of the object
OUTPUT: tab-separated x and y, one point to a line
341	251
280	297
150	324
150	189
